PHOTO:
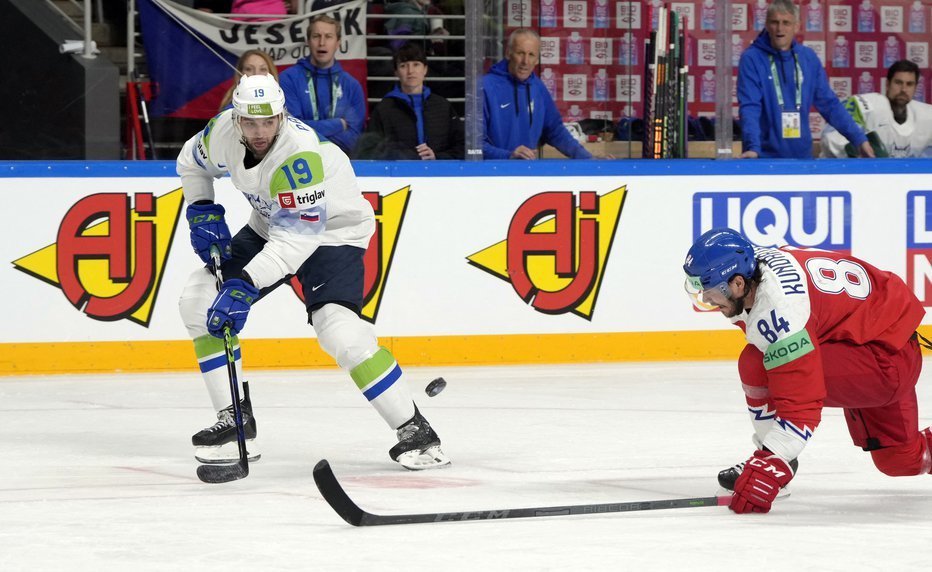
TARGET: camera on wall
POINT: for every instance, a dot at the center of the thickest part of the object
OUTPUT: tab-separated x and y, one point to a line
76	47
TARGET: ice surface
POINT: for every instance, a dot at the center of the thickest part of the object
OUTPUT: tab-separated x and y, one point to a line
97	473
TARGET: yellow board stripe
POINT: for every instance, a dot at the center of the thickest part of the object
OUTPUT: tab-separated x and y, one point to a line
297	353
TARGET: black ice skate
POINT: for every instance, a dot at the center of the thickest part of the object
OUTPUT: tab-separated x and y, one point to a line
217	443
418	445
727	477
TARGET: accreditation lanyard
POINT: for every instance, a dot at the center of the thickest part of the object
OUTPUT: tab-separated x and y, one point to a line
798	78
334	95
791	120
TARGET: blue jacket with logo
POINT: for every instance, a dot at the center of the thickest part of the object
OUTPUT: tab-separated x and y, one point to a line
761	116
351	106
522	113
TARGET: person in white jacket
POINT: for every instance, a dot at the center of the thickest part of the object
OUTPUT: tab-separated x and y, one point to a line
309	220
901	126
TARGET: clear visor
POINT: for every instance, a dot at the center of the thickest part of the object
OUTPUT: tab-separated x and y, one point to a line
705	299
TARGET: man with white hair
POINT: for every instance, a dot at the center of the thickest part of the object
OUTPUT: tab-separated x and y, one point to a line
779	81
520	115
309	220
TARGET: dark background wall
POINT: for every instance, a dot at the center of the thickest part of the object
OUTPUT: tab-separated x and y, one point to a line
56	106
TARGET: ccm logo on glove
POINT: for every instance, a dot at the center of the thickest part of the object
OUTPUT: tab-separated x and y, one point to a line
231	307
208	228
763	476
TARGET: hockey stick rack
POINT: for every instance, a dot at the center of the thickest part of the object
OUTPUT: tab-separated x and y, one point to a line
666	68
337	498
240	469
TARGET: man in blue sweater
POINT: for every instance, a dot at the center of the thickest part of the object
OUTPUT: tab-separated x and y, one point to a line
520	115
779	80
320	93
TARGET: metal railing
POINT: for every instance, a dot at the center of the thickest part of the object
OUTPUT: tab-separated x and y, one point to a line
419	37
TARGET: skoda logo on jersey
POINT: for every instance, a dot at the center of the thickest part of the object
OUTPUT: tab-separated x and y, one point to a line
806	219
919	244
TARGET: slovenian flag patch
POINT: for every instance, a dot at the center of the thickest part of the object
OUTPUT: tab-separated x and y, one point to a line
312	216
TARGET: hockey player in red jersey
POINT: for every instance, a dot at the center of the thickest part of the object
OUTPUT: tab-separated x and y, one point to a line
824	329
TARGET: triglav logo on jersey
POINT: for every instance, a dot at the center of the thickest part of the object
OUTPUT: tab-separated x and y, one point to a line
919	244
389	214
556	250
108	258
806	219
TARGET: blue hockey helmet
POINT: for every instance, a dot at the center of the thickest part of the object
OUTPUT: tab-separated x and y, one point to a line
714	259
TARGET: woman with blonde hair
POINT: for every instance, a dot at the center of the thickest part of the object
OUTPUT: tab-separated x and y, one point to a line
252	62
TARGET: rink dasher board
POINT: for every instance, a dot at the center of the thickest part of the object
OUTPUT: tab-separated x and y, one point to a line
444	294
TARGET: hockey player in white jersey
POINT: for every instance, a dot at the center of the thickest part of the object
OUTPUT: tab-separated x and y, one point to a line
309	220
896	124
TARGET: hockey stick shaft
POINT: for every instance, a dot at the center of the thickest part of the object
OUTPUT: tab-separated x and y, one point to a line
337	498
239	470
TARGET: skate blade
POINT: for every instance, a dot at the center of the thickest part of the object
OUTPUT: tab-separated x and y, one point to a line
429	458
226	453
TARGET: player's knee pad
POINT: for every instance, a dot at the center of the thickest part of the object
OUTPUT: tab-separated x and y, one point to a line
344	335
906	460
197	296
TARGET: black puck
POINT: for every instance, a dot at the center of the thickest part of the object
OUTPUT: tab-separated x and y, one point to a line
434	388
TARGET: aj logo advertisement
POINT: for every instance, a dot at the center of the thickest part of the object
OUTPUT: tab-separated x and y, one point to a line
556	250
109	258
112	249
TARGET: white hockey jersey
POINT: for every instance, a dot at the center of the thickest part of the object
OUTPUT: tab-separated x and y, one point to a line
872	112
303	193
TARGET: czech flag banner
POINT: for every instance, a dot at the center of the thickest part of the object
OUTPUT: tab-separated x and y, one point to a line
191	55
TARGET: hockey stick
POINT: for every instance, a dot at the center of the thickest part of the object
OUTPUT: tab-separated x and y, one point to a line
337	498
240	469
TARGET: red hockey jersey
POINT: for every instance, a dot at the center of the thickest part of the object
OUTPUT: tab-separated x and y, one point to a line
807	298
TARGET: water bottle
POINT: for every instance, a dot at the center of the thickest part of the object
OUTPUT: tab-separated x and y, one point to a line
917	18
707	89
920	94
574	50
891	51
814	17
600	89
866	17
736	49
655	13
760	14
707	16
865	83
549	79
548	13
627	51
840	55
601	18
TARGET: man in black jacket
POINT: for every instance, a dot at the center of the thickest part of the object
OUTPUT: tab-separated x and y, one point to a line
411	122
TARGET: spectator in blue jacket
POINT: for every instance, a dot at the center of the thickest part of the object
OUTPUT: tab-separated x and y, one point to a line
779	80
520	115
320	93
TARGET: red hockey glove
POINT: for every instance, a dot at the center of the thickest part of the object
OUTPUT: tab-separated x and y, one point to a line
763	476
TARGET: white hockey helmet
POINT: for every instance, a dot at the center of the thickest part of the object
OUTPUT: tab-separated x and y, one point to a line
258	96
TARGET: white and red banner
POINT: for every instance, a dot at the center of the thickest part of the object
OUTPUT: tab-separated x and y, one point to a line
191	55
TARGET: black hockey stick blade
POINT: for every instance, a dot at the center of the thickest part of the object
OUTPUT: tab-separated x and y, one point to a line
223	473
337	498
